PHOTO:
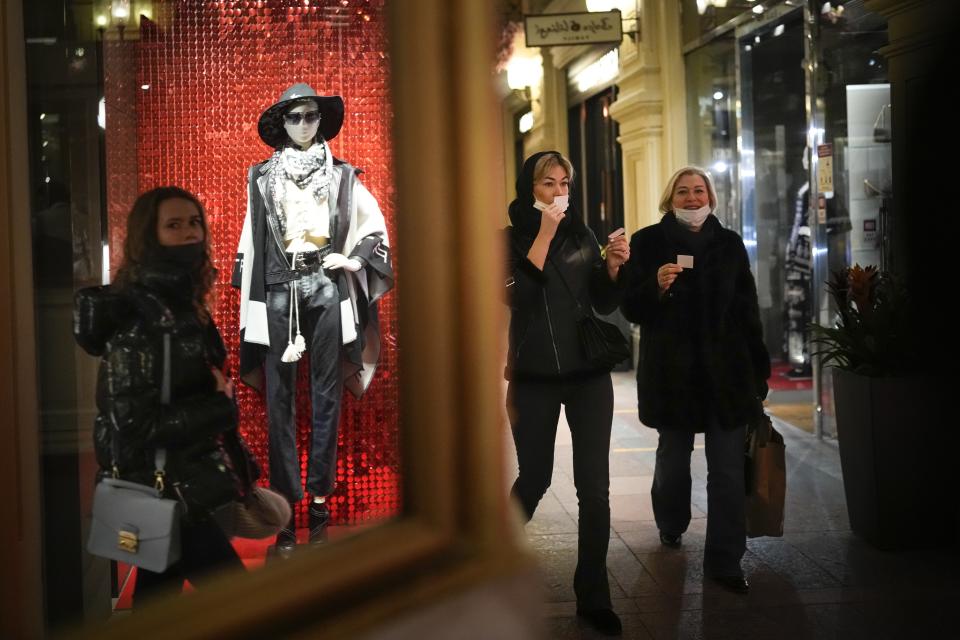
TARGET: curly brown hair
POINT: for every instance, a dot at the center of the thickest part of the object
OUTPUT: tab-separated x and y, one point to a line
141	245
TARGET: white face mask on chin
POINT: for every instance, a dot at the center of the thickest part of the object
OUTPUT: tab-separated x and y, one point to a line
692	218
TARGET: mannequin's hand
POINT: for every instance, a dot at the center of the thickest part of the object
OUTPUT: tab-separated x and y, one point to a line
340	261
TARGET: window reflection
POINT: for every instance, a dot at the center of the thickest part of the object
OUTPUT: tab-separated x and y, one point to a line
171	94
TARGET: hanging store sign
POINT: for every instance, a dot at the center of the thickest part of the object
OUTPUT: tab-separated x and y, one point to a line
825	169
560	29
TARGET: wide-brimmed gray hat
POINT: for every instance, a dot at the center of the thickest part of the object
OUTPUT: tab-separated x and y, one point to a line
270	126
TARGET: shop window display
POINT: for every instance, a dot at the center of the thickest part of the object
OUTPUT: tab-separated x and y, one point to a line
181	86
853	96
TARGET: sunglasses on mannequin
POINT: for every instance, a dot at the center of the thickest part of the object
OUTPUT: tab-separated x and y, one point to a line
294	118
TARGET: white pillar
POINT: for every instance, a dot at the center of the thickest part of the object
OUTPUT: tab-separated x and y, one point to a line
650	110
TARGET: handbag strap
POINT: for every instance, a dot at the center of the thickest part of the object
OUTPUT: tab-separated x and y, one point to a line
160	454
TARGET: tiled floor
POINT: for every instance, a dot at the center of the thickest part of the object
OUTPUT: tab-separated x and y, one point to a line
817	581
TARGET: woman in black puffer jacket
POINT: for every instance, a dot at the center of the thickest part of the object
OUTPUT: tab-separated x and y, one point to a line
555	276
159	297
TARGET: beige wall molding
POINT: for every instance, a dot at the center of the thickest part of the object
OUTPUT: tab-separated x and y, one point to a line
650	108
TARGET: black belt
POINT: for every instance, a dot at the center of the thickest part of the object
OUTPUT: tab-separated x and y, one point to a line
307	259
306	262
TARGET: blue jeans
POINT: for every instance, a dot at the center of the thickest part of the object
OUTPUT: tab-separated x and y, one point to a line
726	502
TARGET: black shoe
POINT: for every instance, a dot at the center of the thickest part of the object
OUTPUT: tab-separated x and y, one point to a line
319	518
603	620
286	542
737	584
670	540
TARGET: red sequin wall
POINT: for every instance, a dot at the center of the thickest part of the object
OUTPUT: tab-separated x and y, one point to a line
182	105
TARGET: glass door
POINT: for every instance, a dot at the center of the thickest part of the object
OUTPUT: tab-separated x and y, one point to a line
775	188
852	129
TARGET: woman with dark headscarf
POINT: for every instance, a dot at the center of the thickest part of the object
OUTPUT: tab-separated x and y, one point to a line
556	273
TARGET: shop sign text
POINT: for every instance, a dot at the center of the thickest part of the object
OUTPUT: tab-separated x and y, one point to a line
558	29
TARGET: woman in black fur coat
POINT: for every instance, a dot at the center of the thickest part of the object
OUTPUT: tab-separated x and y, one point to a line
703	364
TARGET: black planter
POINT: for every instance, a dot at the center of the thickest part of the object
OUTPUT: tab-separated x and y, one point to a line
896	452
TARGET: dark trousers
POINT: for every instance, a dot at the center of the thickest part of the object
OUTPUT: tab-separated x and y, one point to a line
726	528
534	409
204	548
320	325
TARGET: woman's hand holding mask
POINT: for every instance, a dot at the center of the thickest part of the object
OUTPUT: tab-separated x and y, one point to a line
551	215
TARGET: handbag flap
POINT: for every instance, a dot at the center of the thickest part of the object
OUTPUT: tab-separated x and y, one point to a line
120	505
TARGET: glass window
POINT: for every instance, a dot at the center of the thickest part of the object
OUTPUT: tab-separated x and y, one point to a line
853	97
712	122
700	17
124	97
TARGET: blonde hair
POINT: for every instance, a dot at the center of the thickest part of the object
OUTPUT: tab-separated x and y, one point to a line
545	164
666	200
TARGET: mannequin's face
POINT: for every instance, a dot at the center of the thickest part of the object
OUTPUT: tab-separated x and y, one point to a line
301	123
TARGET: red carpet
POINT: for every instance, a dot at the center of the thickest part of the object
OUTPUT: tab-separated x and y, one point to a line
252	552
780	381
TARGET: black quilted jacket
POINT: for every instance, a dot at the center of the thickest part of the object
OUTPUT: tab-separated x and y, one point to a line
127	329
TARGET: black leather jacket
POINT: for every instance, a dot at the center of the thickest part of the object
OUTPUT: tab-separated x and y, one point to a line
544	343
127	329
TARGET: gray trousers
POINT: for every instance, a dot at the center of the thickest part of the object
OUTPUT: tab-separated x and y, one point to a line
320	326
726	502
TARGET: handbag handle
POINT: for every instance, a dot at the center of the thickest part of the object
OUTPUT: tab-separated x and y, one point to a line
160	455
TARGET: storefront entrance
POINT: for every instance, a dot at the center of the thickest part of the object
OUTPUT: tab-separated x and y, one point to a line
789	110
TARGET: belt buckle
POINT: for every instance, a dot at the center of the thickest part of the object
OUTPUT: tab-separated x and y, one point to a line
299	263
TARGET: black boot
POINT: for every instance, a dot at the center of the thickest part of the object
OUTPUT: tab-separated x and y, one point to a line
319	517
287	538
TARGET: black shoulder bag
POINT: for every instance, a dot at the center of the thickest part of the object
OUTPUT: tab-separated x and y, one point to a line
602	342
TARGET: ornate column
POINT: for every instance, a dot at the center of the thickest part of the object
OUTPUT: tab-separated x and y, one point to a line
549	102
650	110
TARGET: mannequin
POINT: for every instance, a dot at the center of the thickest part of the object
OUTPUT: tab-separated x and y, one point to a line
313	260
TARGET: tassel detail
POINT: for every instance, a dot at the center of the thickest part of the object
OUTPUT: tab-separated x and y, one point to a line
292	353
296	347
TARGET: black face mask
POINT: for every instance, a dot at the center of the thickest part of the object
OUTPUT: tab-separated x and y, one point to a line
189	256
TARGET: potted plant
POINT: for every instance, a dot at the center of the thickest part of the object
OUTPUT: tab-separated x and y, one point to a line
892	439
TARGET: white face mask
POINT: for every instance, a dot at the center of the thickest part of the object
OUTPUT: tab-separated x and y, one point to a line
562	201
692	217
